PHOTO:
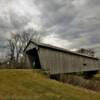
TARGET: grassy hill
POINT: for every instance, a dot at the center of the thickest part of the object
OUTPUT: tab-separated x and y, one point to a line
33	85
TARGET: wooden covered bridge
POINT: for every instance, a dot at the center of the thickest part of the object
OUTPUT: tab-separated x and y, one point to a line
57	60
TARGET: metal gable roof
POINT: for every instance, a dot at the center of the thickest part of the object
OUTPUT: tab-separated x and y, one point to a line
58	49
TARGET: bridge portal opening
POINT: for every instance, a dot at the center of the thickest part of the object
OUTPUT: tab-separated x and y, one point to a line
34	58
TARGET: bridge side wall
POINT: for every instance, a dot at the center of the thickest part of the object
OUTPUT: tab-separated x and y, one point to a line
57	61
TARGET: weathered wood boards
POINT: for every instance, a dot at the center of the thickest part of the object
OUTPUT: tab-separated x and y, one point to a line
58	60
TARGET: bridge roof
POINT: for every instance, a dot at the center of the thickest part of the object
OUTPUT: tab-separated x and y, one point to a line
58	49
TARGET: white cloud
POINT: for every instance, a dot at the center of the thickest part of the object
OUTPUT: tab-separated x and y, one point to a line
68	23
79	3
55	40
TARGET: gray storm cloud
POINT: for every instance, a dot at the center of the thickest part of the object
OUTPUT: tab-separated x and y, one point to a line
71	24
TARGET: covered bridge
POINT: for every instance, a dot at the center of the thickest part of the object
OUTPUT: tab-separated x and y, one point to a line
58	60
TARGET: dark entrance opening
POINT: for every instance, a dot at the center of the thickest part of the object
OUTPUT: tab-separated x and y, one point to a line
34	58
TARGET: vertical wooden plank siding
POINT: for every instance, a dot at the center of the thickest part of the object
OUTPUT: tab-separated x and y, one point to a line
27	61
63	62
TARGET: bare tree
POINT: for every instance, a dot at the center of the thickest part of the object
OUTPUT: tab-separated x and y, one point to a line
18	42
89	52
11	48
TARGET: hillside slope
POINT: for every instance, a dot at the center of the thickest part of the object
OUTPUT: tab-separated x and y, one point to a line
32	85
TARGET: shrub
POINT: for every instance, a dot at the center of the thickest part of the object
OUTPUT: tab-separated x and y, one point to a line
89	74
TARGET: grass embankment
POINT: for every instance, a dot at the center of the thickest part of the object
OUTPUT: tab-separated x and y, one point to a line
33	85
97	76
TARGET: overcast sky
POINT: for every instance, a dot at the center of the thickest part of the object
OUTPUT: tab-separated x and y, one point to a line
71	24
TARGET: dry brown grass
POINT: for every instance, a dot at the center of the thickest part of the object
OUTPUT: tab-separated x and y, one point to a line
17	84
76	80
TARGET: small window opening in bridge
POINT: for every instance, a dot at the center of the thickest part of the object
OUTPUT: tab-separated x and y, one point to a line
84	64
